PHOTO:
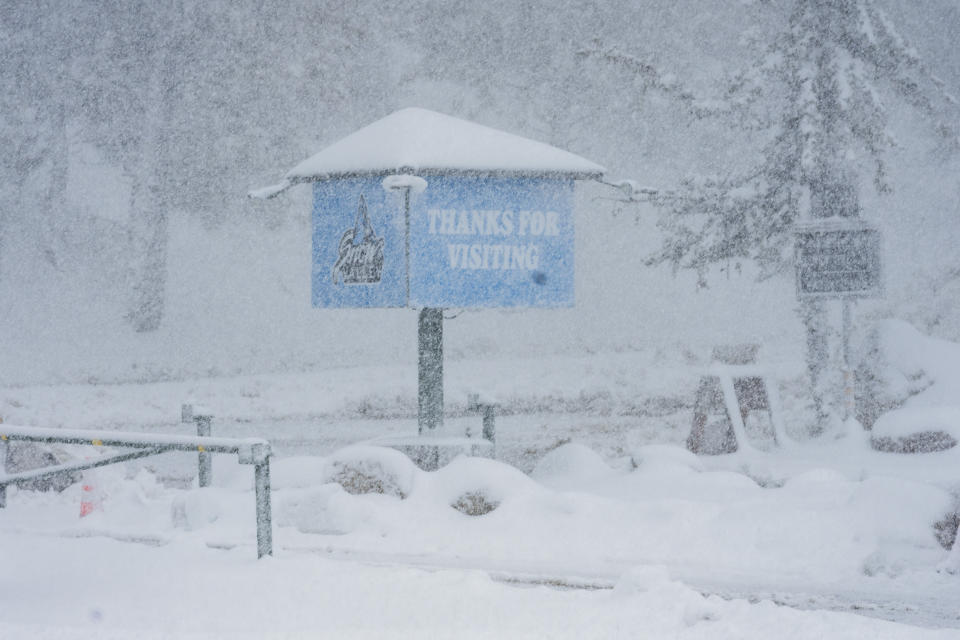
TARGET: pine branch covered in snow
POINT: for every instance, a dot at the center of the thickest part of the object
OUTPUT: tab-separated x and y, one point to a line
648	74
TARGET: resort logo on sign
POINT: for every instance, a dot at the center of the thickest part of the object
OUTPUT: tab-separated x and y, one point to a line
360	259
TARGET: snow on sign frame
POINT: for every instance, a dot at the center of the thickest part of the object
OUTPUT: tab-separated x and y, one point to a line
838	258
474	241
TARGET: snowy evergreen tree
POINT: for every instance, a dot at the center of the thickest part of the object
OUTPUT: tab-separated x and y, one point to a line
814	93
817	89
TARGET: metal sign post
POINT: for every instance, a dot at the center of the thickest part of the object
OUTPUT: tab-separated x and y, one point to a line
848	398
430	369
839	258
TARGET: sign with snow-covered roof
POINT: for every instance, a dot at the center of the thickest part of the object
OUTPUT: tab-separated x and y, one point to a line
424	210
428	211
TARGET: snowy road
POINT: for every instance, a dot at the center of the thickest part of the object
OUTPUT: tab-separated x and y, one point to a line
936	610
99	588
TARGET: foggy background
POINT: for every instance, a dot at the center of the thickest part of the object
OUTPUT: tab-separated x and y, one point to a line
132	133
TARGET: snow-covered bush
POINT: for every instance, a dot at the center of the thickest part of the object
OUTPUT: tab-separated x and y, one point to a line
474	503
367	469
476	486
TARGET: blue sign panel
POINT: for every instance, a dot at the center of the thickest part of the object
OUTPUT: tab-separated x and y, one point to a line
474	242
358	245
492	242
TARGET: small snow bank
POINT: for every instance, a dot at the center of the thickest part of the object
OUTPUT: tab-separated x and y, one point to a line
297	472
673	472
917	430
814	479
911	355
195	510
571	464
678	600
914	388
662	456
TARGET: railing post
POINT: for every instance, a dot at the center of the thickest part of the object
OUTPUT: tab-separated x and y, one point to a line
489	412
259	456
203	422
204	458
261	479
489	426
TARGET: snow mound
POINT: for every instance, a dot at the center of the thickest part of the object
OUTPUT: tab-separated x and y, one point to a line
905	371
815	478
194	510
664	455
297	472
571	461
917	430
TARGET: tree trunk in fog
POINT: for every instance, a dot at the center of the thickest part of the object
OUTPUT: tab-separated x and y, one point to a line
51	227
818	356
148	213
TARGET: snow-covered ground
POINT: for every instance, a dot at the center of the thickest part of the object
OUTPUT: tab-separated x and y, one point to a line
603	525
677	547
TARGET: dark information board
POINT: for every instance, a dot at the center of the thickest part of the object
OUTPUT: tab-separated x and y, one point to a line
838	263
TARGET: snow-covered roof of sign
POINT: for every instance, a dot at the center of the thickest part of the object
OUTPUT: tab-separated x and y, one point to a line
426	142
423	142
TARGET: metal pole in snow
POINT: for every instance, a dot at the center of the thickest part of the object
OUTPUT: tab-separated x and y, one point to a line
429	347
204	458
430	369
848	396
3	467
406	238
261	481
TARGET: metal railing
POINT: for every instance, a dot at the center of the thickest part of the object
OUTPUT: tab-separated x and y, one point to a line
254	451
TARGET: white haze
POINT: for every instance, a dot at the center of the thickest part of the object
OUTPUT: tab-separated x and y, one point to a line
248	93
